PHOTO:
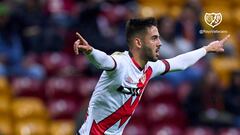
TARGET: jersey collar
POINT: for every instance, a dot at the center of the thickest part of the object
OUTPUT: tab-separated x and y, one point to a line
135	62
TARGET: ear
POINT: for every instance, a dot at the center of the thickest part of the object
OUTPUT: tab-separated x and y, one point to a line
138	43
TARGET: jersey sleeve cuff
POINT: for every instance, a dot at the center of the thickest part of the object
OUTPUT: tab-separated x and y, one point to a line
115	65
167	66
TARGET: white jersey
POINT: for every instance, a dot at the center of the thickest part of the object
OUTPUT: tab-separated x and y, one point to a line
118	93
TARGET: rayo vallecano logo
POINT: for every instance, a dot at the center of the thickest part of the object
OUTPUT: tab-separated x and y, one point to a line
213	19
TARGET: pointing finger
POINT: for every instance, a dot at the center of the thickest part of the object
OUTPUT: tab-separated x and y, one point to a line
81	38
78	35
225	39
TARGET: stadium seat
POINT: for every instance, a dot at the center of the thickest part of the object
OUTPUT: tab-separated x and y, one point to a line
159	91
135	129
31	127
153	10
25	86
28	108
5	104
85	86
236	14
152	2
4	86
162	113
59	87
229	131
214	3
236	2
175	11
62	127
63	108
56	63
177	2
223	66
199	131
166	130
80	62
139	115
5	125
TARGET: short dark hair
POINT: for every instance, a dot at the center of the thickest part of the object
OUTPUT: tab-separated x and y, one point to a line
138	26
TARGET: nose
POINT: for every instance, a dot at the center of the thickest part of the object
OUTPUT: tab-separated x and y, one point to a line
159	44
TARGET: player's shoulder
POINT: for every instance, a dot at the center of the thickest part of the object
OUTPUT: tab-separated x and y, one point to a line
152	62
121	57
155	63
118	53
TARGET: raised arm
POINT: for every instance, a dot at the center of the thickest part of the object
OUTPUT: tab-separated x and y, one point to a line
100	59
183	61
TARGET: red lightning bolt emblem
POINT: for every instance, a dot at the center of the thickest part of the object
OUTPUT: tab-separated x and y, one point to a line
123	113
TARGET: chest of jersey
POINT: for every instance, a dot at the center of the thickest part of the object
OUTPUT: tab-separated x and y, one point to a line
134	81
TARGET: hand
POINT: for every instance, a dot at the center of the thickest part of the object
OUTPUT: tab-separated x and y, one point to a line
81	45
216	46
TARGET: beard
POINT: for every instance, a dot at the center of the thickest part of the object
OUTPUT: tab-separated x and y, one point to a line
148	54
153	59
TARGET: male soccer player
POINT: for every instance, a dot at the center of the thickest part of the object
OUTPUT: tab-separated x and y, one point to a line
126	74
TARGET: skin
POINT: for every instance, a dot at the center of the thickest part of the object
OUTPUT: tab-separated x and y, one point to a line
145	48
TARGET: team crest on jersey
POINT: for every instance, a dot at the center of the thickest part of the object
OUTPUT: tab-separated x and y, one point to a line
129	79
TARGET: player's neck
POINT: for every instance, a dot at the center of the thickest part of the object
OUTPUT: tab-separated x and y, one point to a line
140	61
137	58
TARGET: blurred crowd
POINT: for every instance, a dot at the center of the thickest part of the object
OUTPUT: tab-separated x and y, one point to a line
37	61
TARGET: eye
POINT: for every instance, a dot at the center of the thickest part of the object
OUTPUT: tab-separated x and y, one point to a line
155	37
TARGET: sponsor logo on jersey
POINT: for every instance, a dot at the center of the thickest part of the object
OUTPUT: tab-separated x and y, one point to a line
132	91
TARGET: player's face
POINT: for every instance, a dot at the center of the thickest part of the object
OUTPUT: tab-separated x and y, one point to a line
151	44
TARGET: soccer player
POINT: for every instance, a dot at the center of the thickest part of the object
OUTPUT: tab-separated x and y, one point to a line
126	74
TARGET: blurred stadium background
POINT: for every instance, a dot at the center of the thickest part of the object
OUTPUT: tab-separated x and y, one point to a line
45	89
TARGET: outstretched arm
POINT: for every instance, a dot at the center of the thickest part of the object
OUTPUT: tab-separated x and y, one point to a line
100	59
183	61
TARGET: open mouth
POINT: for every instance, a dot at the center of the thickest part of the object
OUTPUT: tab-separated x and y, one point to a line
157	52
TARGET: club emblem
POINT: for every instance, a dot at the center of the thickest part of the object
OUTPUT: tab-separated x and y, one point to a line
213	19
